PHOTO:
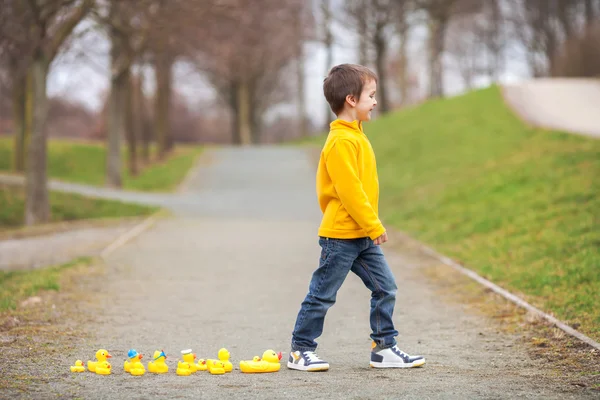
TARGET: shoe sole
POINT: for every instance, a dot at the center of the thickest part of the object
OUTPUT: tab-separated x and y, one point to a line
415	364
319	368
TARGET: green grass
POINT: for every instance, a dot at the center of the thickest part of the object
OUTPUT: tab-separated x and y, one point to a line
86	163
64	207
521	206
16	286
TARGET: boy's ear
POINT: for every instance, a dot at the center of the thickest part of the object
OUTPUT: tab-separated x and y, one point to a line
350	99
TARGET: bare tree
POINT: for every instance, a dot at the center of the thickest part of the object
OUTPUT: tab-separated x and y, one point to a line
328	43
439	14
250	47
128	25
48	24
541	26
401	15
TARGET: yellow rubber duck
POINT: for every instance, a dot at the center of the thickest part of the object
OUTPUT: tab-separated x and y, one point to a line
158	364
202	365
101	356
183	369
190	358
217	368
210	362
268	363
103	368
224	358
78	367
134	365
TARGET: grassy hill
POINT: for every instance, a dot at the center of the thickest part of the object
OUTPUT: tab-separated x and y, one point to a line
521	206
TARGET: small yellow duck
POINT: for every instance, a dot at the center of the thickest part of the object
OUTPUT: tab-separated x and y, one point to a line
190	358
223	356
210	362
202	365
78	367
134	365
101	356
217	368
268	363
158	364
103	368
183	369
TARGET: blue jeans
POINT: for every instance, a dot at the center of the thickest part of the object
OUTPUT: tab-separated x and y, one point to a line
338	257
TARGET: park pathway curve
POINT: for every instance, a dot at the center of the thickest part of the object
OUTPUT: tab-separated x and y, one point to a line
230	269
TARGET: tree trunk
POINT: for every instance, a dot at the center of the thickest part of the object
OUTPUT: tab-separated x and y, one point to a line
589	12
244	110
162	102
37	206
328	41
437	33
21	125
301	96
236	138
403	64
363	57
140	127
116	128
380	63
494	39
131	124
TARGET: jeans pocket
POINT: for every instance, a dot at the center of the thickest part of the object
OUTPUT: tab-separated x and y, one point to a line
326	246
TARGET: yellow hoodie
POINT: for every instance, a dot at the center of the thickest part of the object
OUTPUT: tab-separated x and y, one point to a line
347	184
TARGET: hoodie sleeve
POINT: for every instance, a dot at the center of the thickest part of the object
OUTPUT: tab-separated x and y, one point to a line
342	166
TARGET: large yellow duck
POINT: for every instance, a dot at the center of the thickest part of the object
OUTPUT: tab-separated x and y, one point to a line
101	356
78	367
268	363
158	364
223	356
103	368
134	365
189	358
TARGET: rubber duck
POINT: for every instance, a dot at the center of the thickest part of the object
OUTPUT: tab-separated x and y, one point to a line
217	368
268	363
134	365
210	362
101	356
103	368
223	356
78	367
202	365
158	364
183	369
190	358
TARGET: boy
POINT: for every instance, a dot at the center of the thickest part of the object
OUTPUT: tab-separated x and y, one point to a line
350	232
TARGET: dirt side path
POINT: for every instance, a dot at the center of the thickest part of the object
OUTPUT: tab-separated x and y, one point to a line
232	273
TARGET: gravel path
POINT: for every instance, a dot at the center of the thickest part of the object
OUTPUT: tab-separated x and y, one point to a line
232	272
58	248
567	104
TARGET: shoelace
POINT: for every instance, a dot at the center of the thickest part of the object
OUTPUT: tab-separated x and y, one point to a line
312	356
402	354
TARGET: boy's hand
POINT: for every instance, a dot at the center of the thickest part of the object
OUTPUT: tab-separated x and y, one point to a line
381	239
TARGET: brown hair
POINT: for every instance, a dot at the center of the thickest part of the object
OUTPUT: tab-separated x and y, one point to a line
344	80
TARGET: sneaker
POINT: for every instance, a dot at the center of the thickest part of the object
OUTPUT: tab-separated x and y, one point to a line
393	357
306	361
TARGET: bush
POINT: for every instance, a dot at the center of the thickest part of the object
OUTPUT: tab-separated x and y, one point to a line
579	56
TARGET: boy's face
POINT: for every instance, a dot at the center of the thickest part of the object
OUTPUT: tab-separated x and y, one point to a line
367	101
